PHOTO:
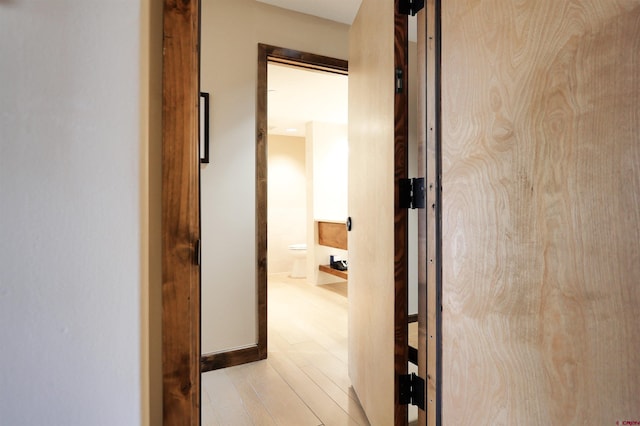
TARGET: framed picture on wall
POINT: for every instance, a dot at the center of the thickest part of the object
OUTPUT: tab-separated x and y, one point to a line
204	127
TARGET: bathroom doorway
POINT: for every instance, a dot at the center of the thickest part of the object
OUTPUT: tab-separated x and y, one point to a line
307	170
305	151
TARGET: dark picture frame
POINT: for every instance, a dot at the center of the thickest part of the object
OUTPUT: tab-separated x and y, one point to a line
204	127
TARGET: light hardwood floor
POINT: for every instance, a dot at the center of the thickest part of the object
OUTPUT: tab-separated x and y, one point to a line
304	381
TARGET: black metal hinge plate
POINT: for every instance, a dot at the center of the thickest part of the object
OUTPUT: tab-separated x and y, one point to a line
410	7
412	390
412	193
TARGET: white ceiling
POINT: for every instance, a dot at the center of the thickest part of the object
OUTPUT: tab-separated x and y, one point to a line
297	96
336	10
343	11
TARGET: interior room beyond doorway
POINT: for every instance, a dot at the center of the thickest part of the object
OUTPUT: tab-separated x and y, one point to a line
307	169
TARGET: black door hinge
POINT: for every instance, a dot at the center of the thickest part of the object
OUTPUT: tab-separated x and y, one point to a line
412	193
410	7
412	390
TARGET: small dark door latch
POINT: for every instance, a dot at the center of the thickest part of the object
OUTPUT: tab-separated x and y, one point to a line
198	253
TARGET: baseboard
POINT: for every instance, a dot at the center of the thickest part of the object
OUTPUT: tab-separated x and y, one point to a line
215	361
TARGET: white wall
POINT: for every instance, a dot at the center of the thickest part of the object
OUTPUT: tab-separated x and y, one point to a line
70	213
151	208
231	31
329	149
327	174
286	200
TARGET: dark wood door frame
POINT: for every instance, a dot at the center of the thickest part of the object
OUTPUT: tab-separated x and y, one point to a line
266	53
401	214
180	213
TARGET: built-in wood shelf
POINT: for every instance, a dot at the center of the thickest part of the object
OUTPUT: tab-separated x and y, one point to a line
332	234
329	270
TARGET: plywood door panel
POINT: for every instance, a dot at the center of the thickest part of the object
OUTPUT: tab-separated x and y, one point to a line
540	213
375	255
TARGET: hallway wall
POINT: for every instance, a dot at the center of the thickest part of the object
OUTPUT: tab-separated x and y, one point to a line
75	125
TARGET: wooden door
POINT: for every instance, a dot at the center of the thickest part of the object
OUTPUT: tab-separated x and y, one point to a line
540	212
378	346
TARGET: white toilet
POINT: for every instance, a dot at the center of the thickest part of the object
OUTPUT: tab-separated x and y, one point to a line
299	255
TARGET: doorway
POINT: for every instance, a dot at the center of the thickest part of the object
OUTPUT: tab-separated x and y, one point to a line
307	168
279	62
306	188
180	391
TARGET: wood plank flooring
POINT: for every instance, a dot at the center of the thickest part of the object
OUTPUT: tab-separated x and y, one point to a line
304	381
